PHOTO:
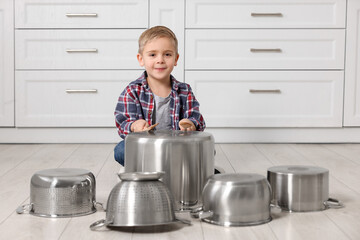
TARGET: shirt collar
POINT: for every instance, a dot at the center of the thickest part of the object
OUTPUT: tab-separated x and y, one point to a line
174	82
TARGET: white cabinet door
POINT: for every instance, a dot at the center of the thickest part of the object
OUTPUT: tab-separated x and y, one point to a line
77	49
352	67
265	13
6	63
171	13
269	98
264	49
81	14
69	98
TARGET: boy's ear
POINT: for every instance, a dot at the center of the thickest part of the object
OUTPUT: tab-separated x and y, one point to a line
176	59
140	59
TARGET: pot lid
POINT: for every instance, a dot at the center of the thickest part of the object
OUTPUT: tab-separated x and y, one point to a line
170	135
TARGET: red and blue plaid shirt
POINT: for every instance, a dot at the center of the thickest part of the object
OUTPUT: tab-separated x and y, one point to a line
137	102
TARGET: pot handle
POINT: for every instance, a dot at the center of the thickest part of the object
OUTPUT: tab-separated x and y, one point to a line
99	205
333	203
200	213
184	221
24	208
98	224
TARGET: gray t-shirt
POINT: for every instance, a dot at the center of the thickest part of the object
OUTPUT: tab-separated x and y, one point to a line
161	113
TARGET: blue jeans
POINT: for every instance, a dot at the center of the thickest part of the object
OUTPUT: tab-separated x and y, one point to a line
119	151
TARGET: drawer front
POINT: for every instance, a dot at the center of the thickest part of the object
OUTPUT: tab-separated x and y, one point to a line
269	98
265	49
81	14
76	49
265	14
69	98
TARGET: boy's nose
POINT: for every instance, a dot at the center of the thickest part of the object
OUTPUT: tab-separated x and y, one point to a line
160	59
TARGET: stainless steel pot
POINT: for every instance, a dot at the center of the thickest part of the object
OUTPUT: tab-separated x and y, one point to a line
140	199
61	192
187	158
236	200
301	188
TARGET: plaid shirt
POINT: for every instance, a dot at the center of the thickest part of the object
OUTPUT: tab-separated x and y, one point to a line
137	102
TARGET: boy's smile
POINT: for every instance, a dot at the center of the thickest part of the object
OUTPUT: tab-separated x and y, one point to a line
159	57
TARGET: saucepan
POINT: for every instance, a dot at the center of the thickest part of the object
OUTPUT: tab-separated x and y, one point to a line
139	199
61	192
235	199
298	188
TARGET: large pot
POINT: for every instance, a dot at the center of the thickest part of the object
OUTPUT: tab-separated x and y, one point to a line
301	188
187	158
61	192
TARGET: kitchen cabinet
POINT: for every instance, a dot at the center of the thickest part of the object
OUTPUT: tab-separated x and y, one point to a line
73	59
352	74
6	64
273	39
262	70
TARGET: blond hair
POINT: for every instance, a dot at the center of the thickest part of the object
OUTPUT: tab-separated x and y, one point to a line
154	33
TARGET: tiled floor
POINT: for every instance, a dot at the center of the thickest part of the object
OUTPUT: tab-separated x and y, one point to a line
18	162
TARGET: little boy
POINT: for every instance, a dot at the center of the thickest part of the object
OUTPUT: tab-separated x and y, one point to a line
156	96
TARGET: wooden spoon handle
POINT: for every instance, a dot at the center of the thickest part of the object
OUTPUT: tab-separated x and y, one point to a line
151	127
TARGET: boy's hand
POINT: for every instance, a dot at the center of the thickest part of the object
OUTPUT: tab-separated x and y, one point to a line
139	125
186	125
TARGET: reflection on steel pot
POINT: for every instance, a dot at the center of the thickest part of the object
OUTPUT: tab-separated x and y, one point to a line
236	200
301	188
187	158
139	200
61	192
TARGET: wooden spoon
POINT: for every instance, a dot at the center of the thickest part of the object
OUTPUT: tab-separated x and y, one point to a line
151	127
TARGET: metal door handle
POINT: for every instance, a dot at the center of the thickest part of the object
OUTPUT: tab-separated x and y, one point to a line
264	90
81	14
82	50
277	50
81	90
266	14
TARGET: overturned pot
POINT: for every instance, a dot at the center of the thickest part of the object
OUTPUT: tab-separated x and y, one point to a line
61	192
186	158
298	188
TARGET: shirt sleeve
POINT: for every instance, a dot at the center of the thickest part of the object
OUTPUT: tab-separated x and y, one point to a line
126	112
193	111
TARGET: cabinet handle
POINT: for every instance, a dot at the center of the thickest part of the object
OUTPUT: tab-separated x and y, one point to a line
81	14
82	50
266	14
254	50
264	90
81	90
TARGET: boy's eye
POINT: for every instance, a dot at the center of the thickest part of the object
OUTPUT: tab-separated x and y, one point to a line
168	54
152	55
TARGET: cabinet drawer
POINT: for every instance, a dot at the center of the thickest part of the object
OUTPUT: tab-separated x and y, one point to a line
81	14
265	49
265	14
76	49
269	98
69	98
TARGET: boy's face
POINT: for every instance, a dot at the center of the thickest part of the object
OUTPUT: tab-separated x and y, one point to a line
159	58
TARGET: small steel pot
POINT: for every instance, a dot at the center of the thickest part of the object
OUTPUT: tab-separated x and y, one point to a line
61	192
301	188
140	199
236	200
